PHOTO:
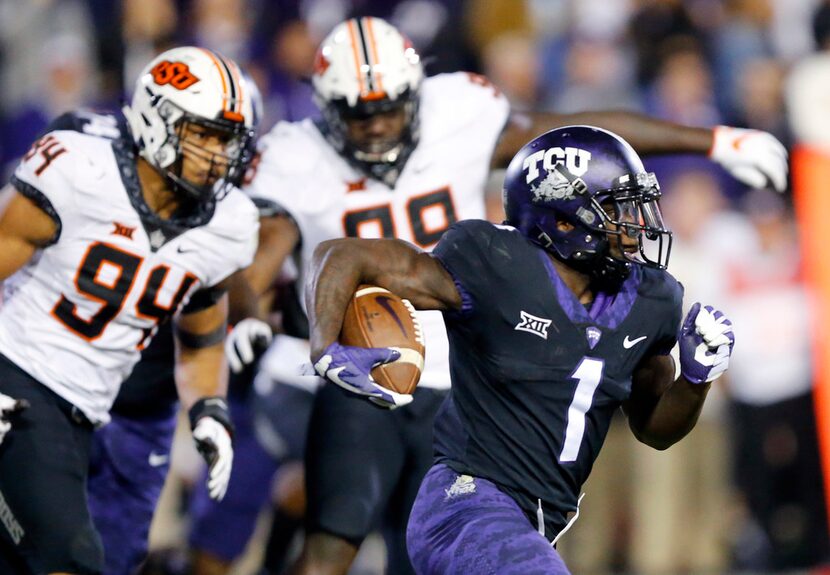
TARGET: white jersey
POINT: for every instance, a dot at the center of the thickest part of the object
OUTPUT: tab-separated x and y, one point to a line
443	181
77	315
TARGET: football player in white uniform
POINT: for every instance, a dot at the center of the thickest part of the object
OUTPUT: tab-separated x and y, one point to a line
130	456
102	239
400	156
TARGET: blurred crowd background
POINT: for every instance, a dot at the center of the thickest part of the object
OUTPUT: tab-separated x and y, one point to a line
743	493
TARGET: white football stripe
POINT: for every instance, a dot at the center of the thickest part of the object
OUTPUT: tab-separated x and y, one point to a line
368	290
409	356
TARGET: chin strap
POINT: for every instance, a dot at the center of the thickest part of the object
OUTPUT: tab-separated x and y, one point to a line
609	273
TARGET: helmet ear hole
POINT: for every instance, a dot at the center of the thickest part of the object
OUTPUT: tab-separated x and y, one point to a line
564	225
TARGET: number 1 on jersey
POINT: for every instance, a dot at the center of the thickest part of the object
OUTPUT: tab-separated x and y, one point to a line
588	375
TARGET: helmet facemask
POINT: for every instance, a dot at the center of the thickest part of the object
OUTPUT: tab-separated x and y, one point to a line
364	68
189	140
382	159
596	237
631	210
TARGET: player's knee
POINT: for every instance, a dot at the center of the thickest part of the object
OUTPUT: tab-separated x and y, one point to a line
204	563
289	492
325	554
81	554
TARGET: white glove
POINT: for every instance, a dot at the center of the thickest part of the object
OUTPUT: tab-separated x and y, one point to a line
9	406
753	157
214	443
239	345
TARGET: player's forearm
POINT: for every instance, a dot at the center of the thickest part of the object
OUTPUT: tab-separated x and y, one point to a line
278	238
339	266
201	373
336	270
645	134
201	368
674	415
649	135
243	301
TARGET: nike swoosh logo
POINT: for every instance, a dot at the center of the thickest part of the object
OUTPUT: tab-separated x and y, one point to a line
157	459
629	343
185	250
383	301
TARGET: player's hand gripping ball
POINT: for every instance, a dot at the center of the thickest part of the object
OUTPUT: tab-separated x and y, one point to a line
380	354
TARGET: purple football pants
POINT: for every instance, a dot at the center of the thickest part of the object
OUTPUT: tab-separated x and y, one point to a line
224	528
462	524
128	465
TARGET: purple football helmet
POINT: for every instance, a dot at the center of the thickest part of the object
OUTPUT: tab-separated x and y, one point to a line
572	189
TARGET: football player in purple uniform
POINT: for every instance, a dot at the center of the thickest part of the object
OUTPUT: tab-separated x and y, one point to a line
397	155
555	321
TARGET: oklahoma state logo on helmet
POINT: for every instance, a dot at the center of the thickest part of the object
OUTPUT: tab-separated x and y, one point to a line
177	74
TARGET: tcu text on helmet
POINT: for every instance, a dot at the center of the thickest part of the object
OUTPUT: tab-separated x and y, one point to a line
575	160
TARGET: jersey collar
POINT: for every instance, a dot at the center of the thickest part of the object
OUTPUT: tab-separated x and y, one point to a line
159	230
608	309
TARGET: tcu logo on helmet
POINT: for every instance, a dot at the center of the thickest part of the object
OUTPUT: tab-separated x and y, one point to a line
575	160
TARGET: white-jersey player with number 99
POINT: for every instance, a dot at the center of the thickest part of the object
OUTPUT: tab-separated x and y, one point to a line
106	233
397	155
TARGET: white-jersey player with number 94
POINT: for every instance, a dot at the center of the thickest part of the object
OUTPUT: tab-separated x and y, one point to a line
397	155
106	233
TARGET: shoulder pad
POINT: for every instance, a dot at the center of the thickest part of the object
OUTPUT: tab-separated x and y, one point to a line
236	223
295	156
462	98
104	125
660	285
469	236
53	167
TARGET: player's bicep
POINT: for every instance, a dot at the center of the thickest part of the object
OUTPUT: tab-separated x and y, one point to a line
24	228
395	265
205	327
408	272
425	282
278	236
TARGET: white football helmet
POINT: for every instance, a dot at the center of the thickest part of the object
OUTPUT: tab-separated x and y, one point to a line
363	67
197	86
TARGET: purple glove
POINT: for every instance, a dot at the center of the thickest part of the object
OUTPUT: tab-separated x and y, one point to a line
706	342
350	368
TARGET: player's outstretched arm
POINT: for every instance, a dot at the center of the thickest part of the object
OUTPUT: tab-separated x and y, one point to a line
24	228
202	382
662	411
278	238
339	266
753	157
249	291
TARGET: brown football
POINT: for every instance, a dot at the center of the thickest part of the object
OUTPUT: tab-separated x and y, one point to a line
378	318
